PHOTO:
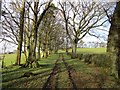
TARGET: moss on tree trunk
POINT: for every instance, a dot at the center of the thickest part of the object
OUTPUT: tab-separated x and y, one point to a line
114	41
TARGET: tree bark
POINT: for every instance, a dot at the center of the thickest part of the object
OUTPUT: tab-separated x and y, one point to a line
46	51
117	22
66	44
19	49
39	54
0	9
115	27
25	40
112	37
74	49
18	54
32	54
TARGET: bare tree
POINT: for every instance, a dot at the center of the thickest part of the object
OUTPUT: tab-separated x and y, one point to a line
32	60
80	18
19	32
14	25
20	41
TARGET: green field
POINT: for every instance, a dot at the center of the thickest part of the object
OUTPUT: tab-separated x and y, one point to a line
10	58
91	50
68	73
82	75
87	50
10	76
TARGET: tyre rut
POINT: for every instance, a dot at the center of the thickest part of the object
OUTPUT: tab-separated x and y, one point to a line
52	79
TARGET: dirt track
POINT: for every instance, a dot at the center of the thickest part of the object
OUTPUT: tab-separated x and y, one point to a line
51	82
86	76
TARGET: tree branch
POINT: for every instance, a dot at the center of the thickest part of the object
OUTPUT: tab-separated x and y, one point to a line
12	16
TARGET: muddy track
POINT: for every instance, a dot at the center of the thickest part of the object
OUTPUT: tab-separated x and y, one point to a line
51	82
69	70
51	78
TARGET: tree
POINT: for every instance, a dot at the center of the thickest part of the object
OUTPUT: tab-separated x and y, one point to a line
20	40
51	31
80	18
47	27
14	25
116	26
32	60
109	8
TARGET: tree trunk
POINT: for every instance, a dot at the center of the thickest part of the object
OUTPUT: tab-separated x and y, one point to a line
32	60
18	53
39	55
66	44
117	22
50	48
46	50
115	27
74	49
46	53
112	37
25	51
19	49
3	57
29	39
35	30
56	49
0	10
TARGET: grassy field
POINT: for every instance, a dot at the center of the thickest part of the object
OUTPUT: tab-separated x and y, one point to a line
65	76
91	50
10	58
87	50
11	76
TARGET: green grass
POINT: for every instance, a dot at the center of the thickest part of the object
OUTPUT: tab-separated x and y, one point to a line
82	73
90	76
11	75
91	50
10	59
86	50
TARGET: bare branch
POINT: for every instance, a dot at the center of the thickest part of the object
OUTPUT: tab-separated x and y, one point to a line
4	39
10	28
93	35
12	16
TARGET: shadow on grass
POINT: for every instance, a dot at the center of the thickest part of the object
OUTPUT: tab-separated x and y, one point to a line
46	65
21	75
18	78
23	80
17	73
